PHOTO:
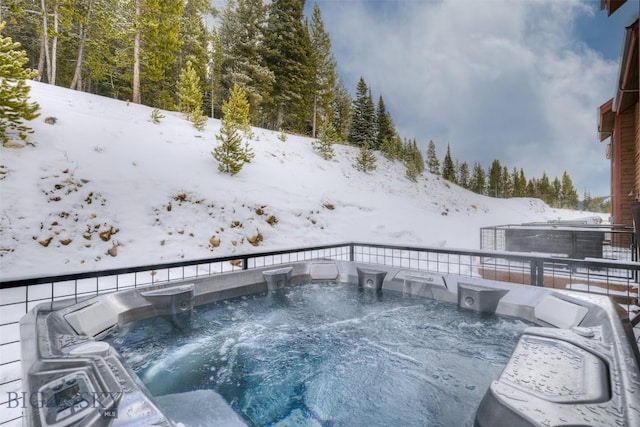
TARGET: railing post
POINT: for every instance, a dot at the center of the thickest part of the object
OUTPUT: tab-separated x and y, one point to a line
352	255
495	239
532	272
245	262
536	267
540	273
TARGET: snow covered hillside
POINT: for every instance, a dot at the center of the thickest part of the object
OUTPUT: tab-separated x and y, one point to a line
104	187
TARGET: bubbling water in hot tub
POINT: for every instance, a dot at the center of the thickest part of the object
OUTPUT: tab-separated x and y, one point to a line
321	353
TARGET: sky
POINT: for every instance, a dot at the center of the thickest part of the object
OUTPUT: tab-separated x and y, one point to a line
517	81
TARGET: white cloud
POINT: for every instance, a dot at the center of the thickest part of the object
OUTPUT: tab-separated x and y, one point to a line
495	79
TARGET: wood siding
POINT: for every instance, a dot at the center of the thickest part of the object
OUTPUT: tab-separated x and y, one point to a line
637	155
559	282
625	167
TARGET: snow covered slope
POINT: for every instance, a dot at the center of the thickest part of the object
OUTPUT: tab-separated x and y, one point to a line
104	187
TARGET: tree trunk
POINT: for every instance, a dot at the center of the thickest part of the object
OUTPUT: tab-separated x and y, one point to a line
136	58
212	92
315	112
54	46
38	78
279	117
76	83
45	40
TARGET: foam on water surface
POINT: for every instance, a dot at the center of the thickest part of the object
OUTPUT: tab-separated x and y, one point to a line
319	354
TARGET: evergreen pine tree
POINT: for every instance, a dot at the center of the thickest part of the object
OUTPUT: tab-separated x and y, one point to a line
587	202
412	171
532	188
463	175
326	138
241	38
237	109
448	169
387	149
413	160
324	70
199	121
194	37
495	178
522	189
189	92
289	56
156	116
108	59
478	179
543	189
23	27
384	125
519	183
366	160
569	193
160	44
114	48
371	119
342	111
514	180
599	204
556	193
14	91
406	151
506	183
433	164
363	119
392	148
230	154
216	56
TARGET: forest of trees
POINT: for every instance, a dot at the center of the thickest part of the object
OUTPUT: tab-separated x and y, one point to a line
162	53
136	50
500	182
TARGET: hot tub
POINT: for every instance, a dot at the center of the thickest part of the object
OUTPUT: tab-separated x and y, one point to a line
568	360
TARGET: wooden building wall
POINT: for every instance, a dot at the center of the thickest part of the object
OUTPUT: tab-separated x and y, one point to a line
625	157
637	155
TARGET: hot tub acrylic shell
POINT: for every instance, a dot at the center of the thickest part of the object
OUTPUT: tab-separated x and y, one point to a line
579	367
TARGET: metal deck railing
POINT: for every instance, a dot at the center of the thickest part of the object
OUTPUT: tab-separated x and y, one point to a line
571	239
17	297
